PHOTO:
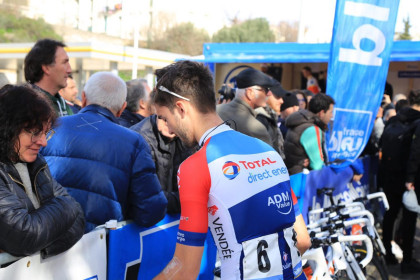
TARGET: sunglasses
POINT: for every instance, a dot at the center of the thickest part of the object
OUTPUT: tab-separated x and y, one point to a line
263	89
162	88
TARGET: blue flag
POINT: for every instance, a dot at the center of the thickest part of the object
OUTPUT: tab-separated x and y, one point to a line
360	51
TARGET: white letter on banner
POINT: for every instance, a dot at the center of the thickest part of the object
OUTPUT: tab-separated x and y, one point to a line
366	10
334	141
359	56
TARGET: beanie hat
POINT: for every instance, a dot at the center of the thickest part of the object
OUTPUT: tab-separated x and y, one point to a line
289	100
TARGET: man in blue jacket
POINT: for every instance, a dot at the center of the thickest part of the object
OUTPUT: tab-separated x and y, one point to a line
107	168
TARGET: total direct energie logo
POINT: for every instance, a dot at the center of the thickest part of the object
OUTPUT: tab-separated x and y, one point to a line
231	170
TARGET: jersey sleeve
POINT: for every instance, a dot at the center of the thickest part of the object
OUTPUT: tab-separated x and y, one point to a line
311	141
194	187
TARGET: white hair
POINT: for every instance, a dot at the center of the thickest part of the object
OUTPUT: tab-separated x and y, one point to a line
398	97
107	90
240	92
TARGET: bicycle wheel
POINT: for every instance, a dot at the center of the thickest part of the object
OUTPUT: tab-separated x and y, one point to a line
376	269
342	275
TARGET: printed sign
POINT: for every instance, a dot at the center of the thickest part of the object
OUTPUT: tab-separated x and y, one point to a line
85	260
359	60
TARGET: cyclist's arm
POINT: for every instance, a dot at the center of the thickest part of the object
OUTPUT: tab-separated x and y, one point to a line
185	263
303	240
193	225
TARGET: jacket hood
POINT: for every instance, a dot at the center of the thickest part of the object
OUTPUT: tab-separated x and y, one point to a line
266	112
300	117
408	115
262	111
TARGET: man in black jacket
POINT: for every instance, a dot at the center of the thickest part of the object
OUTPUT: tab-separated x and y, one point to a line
400	171
138	106
269	114
168	153
412	179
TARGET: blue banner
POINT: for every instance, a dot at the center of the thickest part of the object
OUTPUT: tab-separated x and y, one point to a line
141	253
360	52
305	186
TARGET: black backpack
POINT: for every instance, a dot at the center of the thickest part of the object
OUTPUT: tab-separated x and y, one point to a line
395	142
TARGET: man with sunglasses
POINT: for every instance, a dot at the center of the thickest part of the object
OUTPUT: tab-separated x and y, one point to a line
253	89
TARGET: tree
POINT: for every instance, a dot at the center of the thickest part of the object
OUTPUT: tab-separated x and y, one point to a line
15	28
287	32
406	34
182	38
253	30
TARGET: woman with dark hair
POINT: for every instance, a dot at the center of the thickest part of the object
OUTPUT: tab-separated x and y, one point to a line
36	213
302	98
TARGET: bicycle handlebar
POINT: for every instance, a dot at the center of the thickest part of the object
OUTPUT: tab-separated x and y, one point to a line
366	240
333	208
319	231
381	195
348	238
373	196
363	213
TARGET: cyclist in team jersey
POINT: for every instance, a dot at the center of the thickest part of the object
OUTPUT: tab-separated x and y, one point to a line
236	185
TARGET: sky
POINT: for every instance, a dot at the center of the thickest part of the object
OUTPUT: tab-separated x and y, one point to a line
316	15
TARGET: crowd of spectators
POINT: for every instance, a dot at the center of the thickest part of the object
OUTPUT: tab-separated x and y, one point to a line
109	156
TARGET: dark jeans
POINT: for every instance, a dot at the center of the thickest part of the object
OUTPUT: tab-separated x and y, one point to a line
395	204
409	221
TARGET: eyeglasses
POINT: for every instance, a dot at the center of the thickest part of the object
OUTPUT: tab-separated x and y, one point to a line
162	88
263	89
36	135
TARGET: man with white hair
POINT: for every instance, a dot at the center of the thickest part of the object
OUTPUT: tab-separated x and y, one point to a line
107	168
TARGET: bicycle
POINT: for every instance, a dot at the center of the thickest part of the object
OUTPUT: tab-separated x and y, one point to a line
338	218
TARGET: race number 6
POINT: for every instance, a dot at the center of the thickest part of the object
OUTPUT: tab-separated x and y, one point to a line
264	264
262	257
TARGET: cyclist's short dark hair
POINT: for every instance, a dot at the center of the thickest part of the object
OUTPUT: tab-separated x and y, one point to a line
320	102
189	79
42	53
21	108
414	97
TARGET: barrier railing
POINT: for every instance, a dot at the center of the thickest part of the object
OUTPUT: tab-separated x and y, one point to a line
134	252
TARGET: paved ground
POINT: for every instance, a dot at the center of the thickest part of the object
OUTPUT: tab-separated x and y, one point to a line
394	270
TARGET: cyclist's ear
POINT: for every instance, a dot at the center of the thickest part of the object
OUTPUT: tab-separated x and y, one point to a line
182	108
